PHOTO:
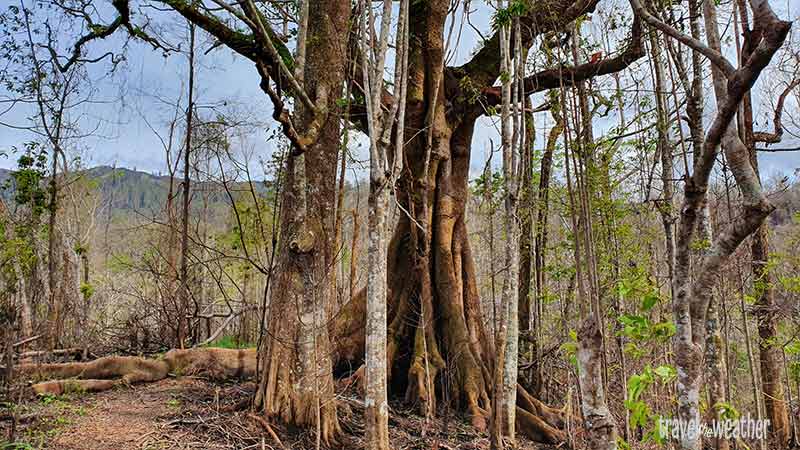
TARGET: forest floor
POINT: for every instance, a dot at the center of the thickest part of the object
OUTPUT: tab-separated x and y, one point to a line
191	413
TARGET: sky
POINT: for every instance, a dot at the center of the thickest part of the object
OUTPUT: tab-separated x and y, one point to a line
134	99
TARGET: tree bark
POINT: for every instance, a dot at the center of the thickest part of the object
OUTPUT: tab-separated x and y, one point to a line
602	428
540	244
54	304
296	384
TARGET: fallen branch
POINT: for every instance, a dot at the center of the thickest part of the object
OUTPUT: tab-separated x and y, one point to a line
27	340
74	351
224	325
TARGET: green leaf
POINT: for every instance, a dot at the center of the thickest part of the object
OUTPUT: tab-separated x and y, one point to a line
666	373
663	330
649	301
727	411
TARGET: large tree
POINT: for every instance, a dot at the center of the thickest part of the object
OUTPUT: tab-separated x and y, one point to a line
436	334
437	345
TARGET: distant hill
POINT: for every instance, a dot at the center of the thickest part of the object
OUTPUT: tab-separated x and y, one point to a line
133	190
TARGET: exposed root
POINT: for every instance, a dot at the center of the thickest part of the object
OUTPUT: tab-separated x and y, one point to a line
552	416
108	372
535	420
537	429
431	317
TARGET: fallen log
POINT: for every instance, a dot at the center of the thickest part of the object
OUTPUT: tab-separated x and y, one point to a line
110	371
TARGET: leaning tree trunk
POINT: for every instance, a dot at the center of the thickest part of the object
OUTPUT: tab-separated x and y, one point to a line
296	384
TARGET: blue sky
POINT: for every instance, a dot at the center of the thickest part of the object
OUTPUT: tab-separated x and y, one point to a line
128	100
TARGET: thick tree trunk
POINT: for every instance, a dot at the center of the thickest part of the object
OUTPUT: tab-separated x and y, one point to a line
434	280
296	384
438	349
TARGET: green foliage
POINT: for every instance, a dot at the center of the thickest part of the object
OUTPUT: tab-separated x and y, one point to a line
20	231
28	179
342	102
120	262
640	329
503	16
488	185
639	287
727	411
471	92
229	342
87	290
641	414
794	371
570	348
505	77
700	245
790	283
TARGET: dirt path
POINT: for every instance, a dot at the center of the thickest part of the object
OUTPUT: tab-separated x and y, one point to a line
188	413
126	419
170	414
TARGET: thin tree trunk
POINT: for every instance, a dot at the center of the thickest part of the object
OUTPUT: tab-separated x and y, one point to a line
354	255
763	283
383	174
54	305
526	212
540	244
715	365
183	310
666	152
377	406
